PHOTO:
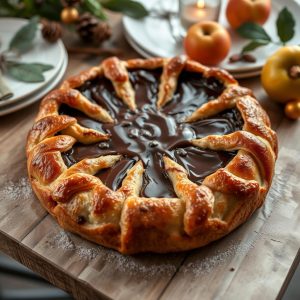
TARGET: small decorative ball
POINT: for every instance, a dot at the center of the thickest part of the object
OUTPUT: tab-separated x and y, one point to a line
292	109
69	15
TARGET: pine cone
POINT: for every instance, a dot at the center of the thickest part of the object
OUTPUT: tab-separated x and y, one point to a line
102	32
51	31
91	30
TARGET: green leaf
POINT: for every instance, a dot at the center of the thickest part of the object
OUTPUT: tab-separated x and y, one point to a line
285	25
95	8
42	67
23	39
253	45
253	31
26	72
130	8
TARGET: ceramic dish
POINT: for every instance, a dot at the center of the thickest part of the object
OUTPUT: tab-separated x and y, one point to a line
39	94
143	36
42	52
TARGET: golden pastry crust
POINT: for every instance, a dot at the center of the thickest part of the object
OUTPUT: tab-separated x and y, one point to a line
122	219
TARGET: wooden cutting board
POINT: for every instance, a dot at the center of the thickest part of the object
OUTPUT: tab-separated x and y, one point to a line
256	261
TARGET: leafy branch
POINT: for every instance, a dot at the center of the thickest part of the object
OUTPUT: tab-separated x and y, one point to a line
23	39
19	44
51	9
130	8
285	24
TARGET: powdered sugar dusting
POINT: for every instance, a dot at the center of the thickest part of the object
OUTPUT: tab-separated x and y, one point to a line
282	193
148	265
151	265
284	182
220	256
64	241
16	190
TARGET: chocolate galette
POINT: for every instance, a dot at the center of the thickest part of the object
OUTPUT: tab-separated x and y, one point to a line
151	155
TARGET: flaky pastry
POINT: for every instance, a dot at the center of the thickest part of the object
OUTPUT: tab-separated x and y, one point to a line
123	218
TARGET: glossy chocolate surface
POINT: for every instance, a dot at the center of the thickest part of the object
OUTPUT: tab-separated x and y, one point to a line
148	134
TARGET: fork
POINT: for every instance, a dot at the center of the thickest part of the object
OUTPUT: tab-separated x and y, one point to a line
172	16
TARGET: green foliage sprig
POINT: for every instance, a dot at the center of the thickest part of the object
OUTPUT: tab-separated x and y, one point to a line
285	24
23	38
51	9
19	44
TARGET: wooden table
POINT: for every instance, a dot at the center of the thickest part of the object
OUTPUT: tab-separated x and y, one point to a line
256	261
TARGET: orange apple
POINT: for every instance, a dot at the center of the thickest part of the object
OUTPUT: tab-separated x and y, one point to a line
207	42
239	12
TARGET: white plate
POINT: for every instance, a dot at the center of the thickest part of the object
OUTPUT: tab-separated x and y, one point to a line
237	75
248	74
42	52
153	36
137	47
38	95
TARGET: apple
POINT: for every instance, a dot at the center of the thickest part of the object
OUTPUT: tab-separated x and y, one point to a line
207	42
239	12
280	75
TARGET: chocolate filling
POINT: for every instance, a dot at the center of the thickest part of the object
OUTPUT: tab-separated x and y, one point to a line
148	134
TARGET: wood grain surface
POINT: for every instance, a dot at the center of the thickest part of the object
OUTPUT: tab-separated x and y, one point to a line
254	262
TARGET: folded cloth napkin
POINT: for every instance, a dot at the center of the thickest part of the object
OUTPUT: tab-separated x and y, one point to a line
5	92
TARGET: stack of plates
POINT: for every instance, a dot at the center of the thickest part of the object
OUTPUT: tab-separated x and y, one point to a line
54	54
152	37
